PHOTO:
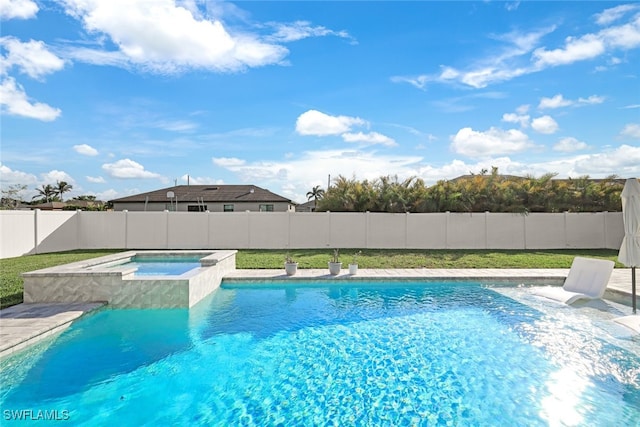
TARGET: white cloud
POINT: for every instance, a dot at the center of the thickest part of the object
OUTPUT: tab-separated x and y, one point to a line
608	16
31	58
227	162
631	130
369	138
314	122
126	169
624	160
521	54
575	49
10	177
625	36
504	66
97	57
177	125
96	179
54	176
160	36
35	60
111	194
556	101
544	124
18	9
495	141
588	46
299	30
559	101
522	120
14	101
85	150
511	5
593	99
569	144
418	81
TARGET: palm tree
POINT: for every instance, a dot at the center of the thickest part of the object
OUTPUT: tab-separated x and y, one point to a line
47	192
88	198
316	193
62	187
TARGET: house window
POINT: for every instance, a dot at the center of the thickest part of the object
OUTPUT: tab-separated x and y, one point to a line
266	208
228	208
196	208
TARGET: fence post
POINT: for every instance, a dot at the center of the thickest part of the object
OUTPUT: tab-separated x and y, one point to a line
248	215
208	229
126	229
166	218
35	230
524	230
366	229
78	214
604	229
406	230
330	230
566	243
446	230
486	229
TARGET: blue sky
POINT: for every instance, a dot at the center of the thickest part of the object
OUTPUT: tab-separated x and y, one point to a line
119	97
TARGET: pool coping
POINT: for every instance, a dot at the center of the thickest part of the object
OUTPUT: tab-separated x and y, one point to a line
28	323
23	325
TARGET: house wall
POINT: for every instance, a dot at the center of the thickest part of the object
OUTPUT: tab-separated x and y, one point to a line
28	232
211	207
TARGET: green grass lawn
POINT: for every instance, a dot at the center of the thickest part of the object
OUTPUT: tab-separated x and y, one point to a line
11	268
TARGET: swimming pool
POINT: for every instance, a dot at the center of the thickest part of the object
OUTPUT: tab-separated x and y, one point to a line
161	266
325	353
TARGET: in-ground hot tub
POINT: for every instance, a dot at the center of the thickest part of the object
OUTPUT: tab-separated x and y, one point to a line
121	281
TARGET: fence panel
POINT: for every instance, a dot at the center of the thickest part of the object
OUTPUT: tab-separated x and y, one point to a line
387	230
466	231
147	230
307	230
348	230
586	230
228	230
18	233
56	231
188	230
505	231
545	231
427	231
102	230
268	230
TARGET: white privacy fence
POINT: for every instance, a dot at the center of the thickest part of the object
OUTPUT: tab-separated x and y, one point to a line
29	232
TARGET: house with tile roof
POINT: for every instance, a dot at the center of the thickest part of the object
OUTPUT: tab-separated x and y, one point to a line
202	198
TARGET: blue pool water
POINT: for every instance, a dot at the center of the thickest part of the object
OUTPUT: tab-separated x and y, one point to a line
459	354
162	266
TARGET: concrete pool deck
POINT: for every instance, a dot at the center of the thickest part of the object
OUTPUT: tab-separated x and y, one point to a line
26	324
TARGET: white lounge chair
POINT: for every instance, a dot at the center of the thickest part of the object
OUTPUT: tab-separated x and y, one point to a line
587	279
